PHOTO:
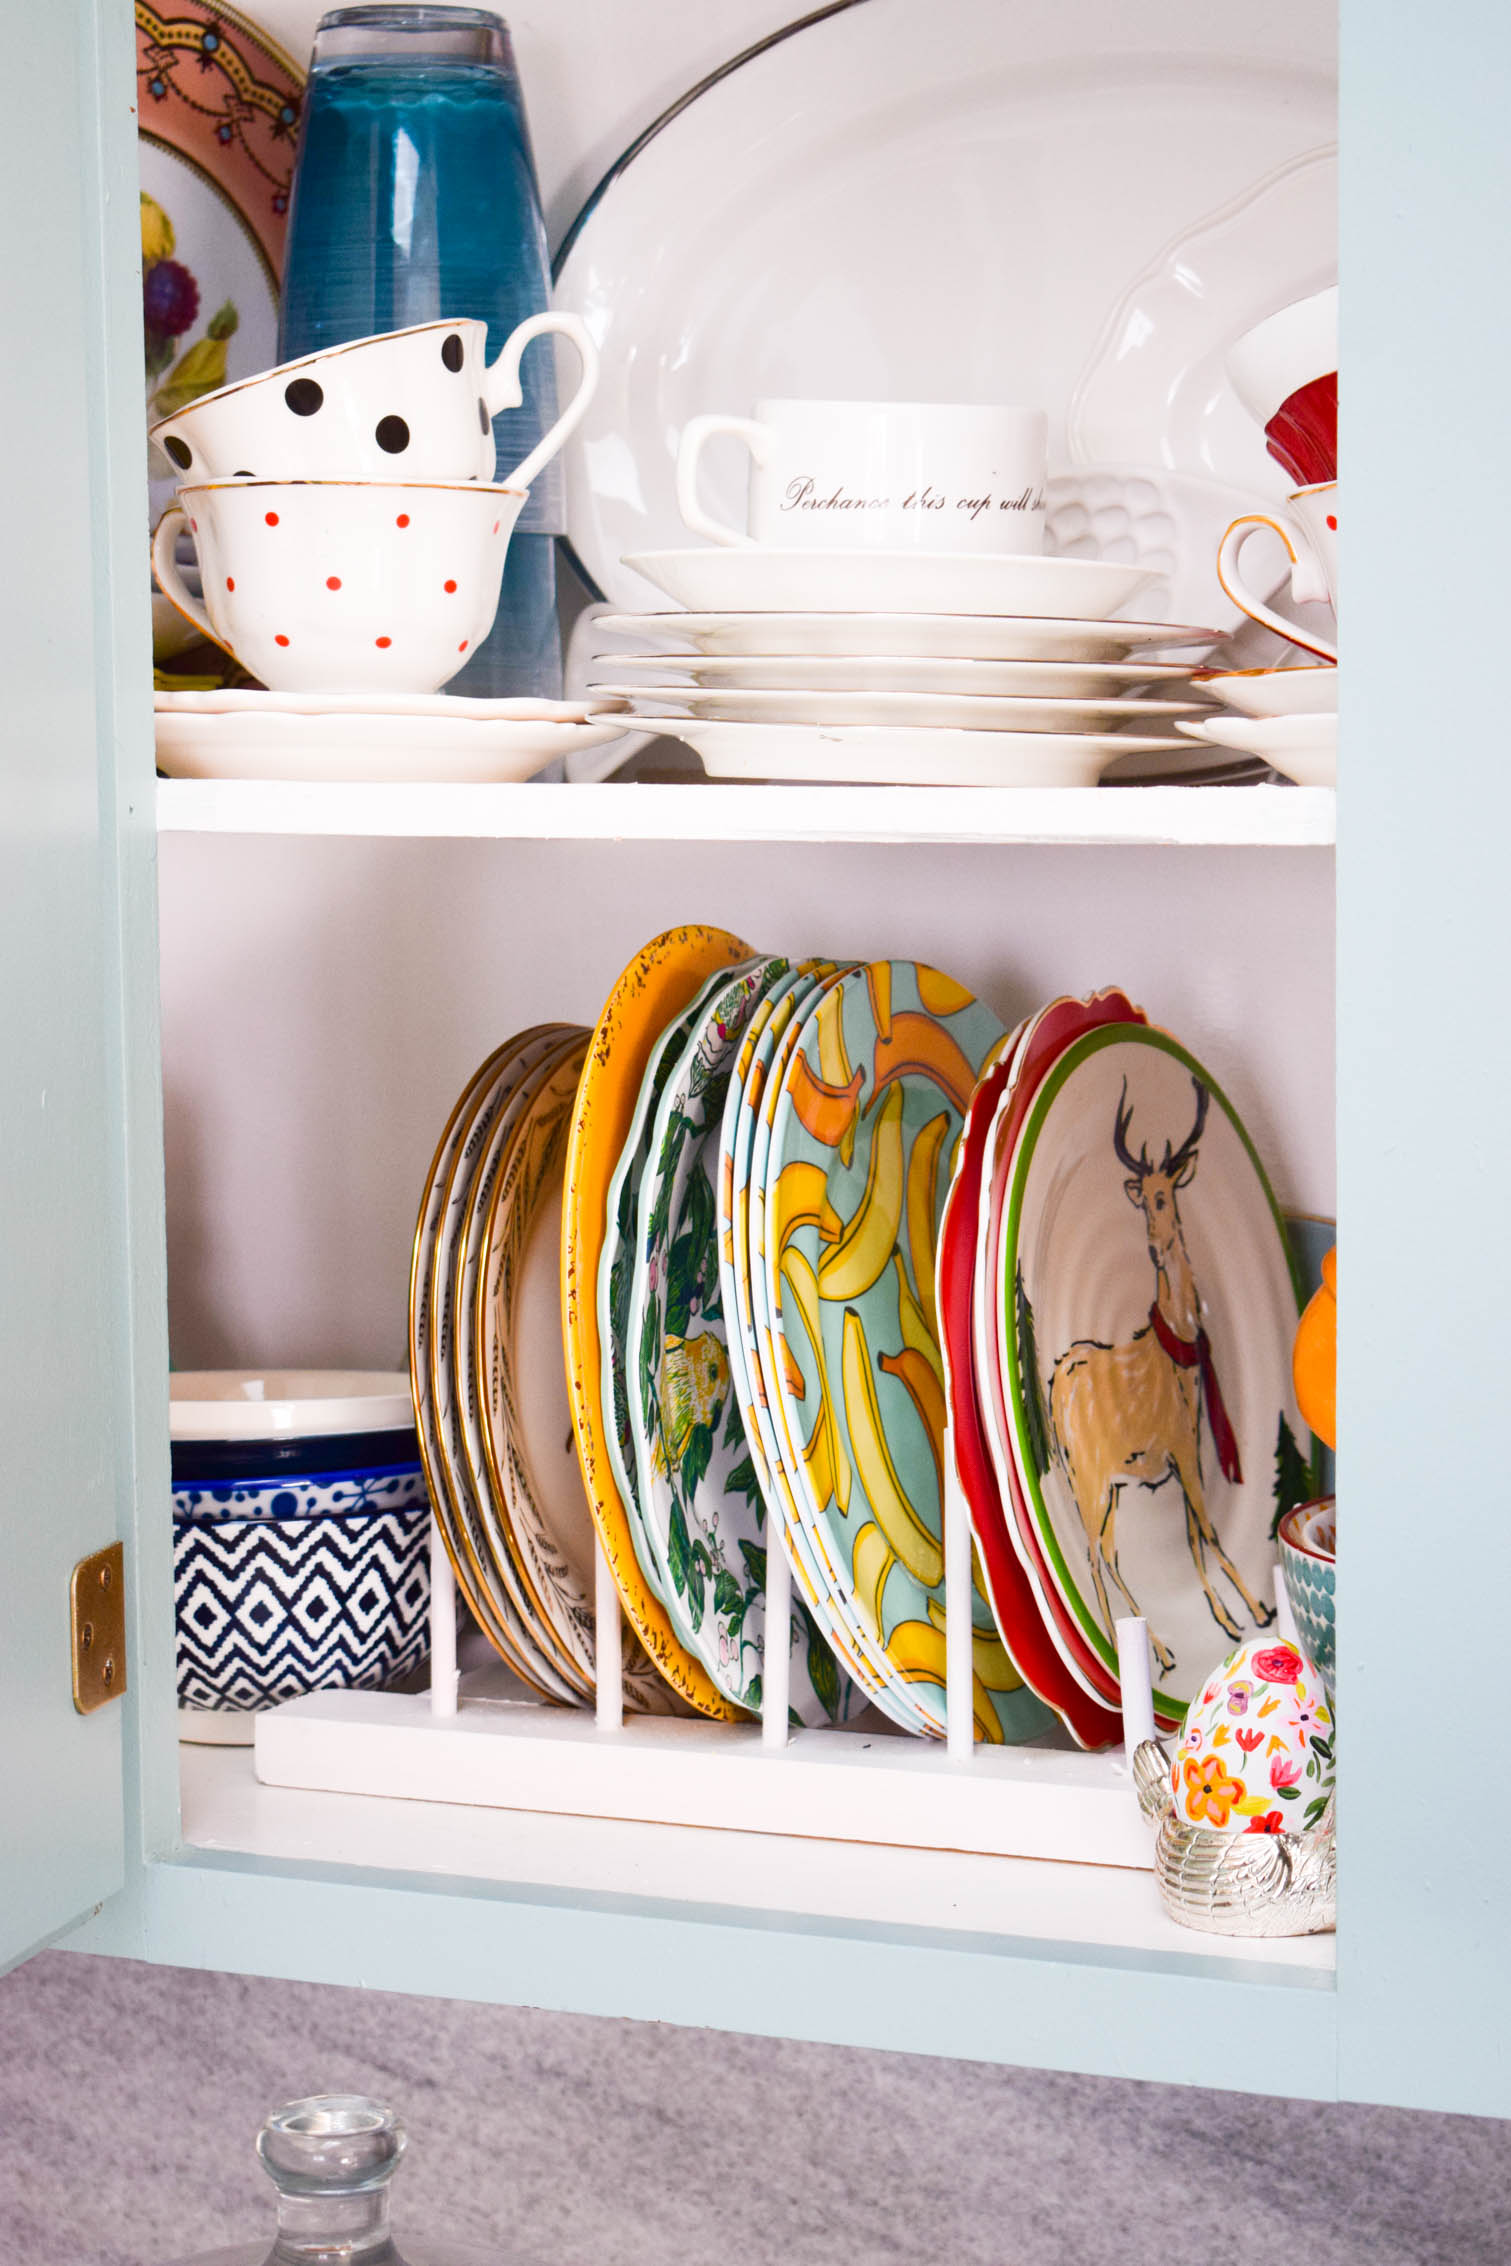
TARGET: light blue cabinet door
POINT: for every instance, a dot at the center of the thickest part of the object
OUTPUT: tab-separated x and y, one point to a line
1424	1064
65	1369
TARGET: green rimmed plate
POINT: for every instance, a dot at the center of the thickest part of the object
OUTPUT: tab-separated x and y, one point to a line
1148	1303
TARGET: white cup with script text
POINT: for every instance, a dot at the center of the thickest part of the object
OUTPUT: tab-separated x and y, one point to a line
879	476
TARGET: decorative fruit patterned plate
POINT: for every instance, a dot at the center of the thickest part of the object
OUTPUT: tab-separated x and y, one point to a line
873	1099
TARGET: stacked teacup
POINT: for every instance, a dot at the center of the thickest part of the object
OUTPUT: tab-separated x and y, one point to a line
1285	372
349	530
890	611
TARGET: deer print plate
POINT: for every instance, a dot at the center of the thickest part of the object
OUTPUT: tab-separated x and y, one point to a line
872	1103
1148	1306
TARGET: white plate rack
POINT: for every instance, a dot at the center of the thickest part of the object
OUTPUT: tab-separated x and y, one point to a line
471	1739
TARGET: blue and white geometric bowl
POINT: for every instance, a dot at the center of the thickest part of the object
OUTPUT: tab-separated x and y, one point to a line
288	1586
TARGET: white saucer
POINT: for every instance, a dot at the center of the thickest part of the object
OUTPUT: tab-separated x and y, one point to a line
924	711
365	747
907	636
1304	747
757	579
228	703
859	672
1305	691
893	755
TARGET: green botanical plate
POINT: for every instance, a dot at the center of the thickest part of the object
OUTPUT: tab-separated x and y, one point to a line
700	1501
616	1270
872	1100
827	1580
1148	1299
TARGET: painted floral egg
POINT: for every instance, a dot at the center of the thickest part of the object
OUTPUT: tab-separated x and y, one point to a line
1257	1752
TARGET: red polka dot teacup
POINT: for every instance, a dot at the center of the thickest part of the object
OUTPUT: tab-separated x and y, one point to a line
343	585
411	404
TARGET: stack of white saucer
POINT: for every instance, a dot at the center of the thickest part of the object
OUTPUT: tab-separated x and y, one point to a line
801	653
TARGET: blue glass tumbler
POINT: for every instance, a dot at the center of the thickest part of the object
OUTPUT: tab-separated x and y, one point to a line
415	200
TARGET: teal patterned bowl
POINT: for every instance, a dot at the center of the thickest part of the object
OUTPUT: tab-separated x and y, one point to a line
1309	1555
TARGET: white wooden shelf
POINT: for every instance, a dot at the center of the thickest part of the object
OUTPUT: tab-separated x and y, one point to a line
1278	817
229	1812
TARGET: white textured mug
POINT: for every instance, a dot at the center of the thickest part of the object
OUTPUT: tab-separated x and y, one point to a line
343	585
879	475
413	404
1311	539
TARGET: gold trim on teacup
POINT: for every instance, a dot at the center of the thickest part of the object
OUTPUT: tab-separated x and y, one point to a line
392	487
303	362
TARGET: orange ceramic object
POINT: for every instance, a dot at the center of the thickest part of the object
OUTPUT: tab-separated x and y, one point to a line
1314	1363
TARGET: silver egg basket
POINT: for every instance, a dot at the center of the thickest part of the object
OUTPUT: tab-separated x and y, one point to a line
1237	1884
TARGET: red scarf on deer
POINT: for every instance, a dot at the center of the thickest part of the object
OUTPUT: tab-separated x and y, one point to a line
1187	1353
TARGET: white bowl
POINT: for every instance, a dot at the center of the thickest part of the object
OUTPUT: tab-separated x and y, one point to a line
1284	352
277	1404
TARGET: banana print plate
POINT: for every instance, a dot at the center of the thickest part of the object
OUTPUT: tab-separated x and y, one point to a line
700	1497
617	1271
659	984
874	1097
1148	1308
802	1453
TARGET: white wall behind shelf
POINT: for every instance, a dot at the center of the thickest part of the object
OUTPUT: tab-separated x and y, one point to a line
324	1001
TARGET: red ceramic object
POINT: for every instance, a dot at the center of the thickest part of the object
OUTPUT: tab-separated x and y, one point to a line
1303	433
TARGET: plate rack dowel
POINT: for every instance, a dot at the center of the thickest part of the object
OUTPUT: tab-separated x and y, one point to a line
608	1649
443	1669
1285	1619
959	1710
1134	1681
776	1667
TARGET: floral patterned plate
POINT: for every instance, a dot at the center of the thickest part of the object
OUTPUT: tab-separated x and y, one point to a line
659	984
825	1583
485	1093
873	1100
702	1502
1147	1300
617	1271
218	103
531	1488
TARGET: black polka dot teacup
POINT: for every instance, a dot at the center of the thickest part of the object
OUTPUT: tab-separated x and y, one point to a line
368	586
408	405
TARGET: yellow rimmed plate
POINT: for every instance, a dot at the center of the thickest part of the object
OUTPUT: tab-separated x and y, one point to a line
659	983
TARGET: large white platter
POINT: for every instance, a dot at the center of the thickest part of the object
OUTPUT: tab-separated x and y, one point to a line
883	206
900	755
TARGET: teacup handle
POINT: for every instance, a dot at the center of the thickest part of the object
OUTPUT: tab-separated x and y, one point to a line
1307	582
757	439
171	582
502	388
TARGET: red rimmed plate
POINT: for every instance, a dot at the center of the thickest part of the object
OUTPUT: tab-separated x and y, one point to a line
1047	1038
1015	1607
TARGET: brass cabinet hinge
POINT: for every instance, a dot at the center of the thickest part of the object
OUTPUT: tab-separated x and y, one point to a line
97	1596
